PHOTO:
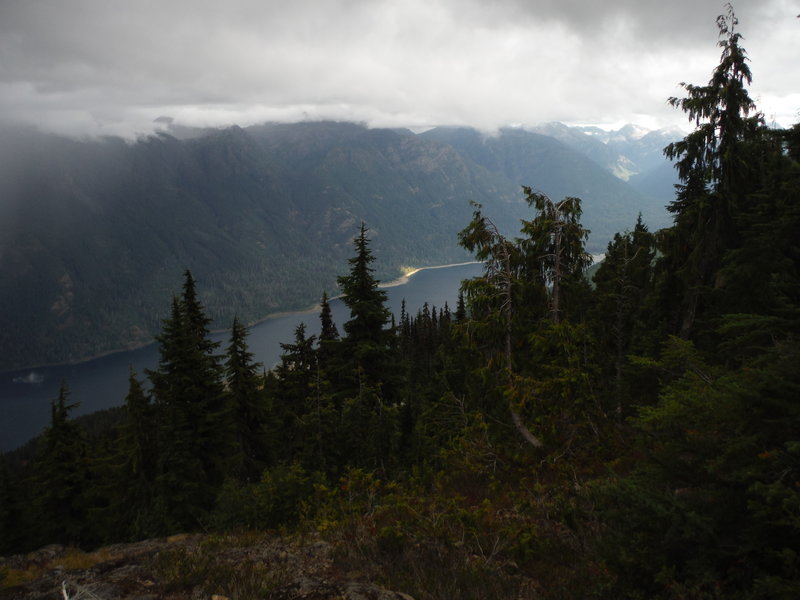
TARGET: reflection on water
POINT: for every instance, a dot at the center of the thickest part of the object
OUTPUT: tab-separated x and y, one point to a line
31	377
103	382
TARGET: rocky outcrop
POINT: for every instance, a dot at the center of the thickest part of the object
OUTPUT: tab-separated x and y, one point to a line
188	567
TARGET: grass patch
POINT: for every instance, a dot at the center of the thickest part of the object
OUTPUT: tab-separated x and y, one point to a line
183	569
73	559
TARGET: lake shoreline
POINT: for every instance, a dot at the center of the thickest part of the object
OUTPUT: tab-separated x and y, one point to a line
314	308
404	278
26	394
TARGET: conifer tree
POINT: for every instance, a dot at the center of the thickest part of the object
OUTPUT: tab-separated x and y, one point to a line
519	309
189	396
63	478
622	282
366	335
135	464
319	427
710	507
246	402
493	301
461	307
716	170
328	351
296	377
761	275
554	253
328	330
554	377
13	526
370	430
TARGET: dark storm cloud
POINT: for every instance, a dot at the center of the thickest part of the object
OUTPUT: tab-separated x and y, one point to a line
92	66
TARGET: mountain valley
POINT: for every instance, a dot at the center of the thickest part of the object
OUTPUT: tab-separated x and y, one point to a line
94	234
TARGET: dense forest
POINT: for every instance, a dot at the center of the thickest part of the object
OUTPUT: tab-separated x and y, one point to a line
636	435
94	234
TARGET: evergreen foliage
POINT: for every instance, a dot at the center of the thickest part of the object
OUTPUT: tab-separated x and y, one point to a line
619	314
634	438
137	455
244	397
554	247
188	390
718	167
62	479
366	336
13	528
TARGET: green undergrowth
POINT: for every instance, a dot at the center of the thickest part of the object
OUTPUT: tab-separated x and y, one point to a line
220	565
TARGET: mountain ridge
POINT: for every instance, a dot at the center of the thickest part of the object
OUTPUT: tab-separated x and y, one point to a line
631	153
95	234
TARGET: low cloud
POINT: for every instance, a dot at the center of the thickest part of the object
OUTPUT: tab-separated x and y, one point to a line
112	67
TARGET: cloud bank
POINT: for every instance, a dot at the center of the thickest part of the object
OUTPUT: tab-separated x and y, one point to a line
113	67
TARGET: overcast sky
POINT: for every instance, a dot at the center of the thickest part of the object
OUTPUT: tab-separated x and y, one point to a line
114	66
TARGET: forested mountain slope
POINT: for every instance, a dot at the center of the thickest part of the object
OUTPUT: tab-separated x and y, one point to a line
632	154
94	234
558	170
631	437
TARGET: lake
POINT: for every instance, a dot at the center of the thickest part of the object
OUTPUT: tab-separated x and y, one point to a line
103	382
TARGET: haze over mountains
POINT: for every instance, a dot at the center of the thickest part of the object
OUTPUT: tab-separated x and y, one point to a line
94	235
632	153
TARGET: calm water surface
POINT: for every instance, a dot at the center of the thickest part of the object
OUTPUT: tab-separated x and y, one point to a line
103	382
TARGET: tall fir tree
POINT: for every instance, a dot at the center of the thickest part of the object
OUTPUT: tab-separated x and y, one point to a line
193	425
132	481
717	172
710	507
14	529
367	337
247	407
622	282
329	349
554	250
494	300
296	382
62	478
328	331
